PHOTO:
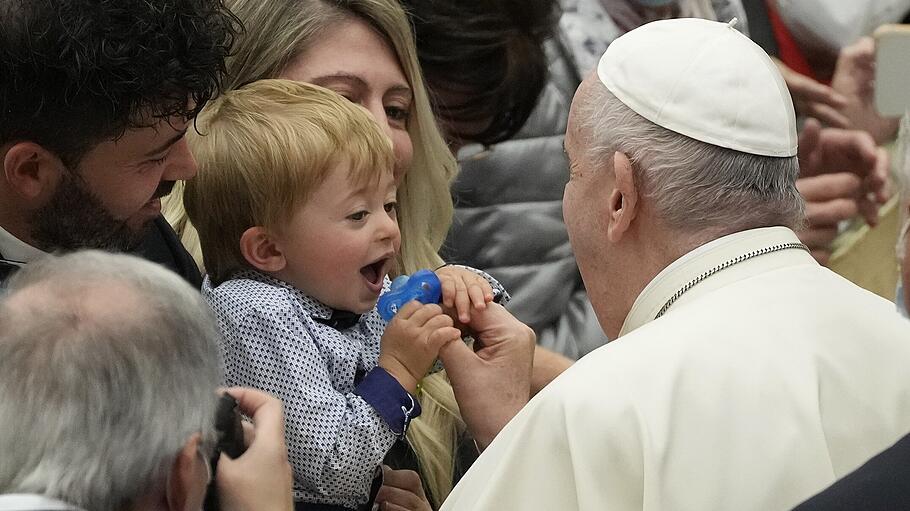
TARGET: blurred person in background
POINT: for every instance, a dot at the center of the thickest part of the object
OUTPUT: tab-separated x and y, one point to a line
501	80
828	64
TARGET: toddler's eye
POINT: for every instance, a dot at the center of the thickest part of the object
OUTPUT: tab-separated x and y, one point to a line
360	215
390	206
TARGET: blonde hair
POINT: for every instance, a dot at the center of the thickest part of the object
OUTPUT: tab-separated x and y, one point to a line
263	150
424	193
277	31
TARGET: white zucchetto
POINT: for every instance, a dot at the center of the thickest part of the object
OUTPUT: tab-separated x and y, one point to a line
705	80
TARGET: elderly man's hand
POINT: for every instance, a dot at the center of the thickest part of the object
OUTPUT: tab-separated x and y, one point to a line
843	173
493	383
261	477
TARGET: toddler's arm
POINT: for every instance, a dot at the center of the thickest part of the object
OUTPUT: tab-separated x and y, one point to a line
335	440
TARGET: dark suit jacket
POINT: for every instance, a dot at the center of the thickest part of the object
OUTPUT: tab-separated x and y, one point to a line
882	484
161	246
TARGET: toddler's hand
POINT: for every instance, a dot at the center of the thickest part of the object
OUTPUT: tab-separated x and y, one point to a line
461	289
412	340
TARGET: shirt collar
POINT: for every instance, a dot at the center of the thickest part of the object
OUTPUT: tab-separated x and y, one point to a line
310	305
313	307
674	277
28	502
17	250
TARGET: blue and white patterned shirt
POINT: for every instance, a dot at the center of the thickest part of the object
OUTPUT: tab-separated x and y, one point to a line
274	341
343	413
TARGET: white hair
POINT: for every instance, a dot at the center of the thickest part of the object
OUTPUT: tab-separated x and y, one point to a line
96	402
694	186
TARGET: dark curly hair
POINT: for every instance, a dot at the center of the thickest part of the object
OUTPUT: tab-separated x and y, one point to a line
74	73
484	62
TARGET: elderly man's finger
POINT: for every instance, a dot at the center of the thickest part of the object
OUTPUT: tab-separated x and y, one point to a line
458	358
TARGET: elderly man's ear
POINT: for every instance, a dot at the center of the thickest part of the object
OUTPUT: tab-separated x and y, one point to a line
623	200
188	478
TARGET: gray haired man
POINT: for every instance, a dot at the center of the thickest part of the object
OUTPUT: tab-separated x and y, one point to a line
108	376
743	374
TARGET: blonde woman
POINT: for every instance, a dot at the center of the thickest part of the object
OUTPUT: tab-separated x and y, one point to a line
364	50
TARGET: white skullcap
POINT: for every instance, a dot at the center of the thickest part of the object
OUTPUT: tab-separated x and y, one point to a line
705	80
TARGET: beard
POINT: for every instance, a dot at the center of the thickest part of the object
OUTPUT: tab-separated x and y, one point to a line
75	219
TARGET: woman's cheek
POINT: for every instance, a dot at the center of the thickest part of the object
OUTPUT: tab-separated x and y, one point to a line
404	153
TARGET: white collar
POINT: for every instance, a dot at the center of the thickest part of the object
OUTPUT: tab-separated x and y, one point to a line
681	272
29	502
14	249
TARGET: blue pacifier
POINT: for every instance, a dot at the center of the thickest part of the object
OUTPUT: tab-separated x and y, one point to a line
422	285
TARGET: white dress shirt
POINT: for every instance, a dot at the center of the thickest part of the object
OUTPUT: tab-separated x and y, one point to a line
16	250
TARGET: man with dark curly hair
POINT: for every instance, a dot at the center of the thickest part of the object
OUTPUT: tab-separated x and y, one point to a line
95	99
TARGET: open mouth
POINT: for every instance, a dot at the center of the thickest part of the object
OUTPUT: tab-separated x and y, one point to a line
375	272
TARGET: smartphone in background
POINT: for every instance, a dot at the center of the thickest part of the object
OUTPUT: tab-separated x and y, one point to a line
892	70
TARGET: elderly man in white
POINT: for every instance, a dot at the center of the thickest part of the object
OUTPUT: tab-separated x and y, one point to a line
743	375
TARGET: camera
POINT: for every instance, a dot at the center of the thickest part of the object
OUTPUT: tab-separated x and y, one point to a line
229	440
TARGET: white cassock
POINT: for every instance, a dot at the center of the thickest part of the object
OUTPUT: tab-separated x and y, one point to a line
761	385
